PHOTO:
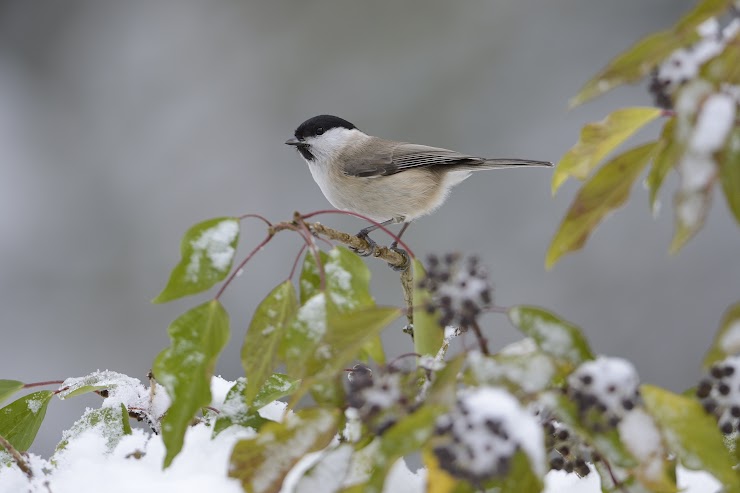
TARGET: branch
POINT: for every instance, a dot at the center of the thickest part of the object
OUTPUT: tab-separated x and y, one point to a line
17	457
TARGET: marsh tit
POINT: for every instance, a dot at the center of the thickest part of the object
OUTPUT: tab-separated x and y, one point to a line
387	181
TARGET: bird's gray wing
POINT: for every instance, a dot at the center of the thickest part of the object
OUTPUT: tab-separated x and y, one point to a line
382	158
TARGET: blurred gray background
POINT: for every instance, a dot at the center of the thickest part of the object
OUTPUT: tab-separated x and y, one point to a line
123	123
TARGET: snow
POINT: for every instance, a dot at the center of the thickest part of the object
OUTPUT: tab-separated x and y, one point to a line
215	244
713	124
638	432
730	340
611	380
34	405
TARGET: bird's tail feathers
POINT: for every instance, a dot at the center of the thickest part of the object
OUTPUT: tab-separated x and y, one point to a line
512	163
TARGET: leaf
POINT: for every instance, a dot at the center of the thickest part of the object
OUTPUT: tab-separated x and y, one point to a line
438	480
607	190
646	54
99	380
520	479
691	434
691	208
328	473
727	341
409	435
428	333
552	335
186	367
207	252
274	388
112	423
341	343
667	156
347	280
598	139
310	281
9	387
729	171
20	420
235	410
261	463
268	326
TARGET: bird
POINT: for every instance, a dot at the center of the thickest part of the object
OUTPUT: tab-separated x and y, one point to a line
387	181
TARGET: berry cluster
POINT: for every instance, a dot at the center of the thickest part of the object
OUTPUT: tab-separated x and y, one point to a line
382	397
459	289
477	440
684	64
604	389
565	449
719	393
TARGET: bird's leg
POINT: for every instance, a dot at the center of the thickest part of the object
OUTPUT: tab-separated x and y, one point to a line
400	251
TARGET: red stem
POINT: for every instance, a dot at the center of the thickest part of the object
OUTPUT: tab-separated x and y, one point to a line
243	263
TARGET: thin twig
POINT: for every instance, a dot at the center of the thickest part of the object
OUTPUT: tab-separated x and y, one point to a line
17	457
482	341
295	262
243	263
43	384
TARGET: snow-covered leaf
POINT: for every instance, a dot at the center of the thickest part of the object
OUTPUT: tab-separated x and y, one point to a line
552	334
235	410
646	54
8	388
20	420
605	191
328	473
112	423
270	320
691	434
727	341
274	388
261	463
185	368
207	252
599	139
428	335
691	208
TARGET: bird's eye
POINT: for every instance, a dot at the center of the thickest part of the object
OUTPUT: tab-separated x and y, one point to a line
320	131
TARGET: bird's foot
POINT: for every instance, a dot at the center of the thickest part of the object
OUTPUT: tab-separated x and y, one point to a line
365	253
407	260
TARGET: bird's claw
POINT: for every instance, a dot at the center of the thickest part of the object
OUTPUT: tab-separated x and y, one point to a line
406	259
365	253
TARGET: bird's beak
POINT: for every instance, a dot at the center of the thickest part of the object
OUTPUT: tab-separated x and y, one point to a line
293	142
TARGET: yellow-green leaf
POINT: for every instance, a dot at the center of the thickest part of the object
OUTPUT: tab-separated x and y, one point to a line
635	63
604	192
207	251
727	341
691	434
185	368
599	139
261	463
729	171
270	320
667	155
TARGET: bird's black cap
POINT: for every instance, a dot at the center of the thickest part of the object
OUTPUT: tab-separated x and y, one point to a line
320	124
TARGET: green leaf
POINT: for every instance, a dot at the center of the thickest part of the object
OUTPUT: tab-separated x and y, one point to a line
552	335
527	372
729	171
8	388
347	280
274	388
186	367
646	54
207	252
112	423
268	326
607	190
428	333
235	410
342	342
310	281
691	434
598	139
727	341
20	420
409	435
261	463
667	156
520	479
